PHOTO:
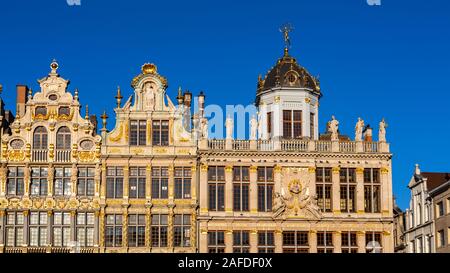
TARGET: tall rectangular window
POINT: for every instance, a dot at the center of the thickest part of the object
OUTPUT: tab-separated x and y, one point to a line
85	229
265	188
372	190
440	209
324	242
136	230
114	182
61	229
138	133
295	242
241	187
39	177
137	182
14	229
15	183
441	238
349	243
216	188
63	181
348	189
159	230
373	242
183	178
269	124
292	124
160	132
266	242
312	127
86	184
160	182
323	188
216	241
182	230
113	230
38	229
241	242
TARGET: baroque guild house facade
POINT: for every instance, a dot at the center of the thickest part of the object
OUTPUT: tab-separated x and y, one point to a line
157	183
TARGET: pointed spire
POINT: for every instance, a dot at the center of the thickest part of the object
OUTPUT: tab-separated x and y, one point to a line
54	66
76	94
118	97
417	170
30	93
87	112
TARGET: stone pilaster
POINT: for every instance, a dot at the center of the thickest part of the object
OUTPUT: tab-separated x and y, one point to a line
193	232
203	189
101	232
171	184
229	241
26	217
2	228
254	241
148	182
313	241
50	180
74	180
103	183
278	240
97	179
97	228
386	194
170	229
126	182
125	228
360	190
337	242
148	221
49	230
194	183
361	240
229	190
277	178
73	219
27	180
335	192
312	180
203	240
253	190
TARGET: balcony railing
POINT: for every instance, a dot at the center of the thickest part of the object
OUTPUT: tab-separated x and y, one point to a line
63	156
39	155
297	145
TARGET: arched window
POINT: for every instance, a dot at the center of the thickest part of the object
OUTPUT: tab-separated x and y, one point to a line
40	138
63	138
419	214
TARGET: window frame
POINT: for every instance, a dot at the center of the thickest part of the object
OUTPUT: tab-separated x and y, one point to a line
324	188
216	188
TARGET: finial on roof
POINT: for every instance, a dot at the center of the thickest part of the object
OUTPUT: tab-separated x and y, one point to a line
104	117
417	171
286	29
118	97
54	66
87	112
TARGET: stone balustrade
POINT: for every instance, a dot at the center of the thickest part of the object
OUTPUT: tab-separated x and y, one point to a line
295	145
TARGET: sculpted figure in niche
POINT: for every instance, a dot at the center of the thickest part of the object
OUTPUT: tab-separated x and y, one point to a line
149	96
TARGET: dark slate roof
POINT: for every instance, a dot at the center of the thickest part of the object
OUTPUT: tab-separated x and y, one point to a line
288	73
434	180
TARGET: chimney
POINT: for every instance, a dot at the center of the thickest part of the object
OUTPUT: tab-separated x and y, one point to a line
22	98
368	133
188	99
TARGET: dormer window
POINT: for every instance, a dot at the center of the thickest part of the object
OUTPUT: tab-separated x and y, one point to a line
41	110
64	111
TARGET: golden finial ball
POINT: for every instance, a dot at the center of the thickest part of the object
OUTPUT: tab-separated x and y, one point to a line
149	68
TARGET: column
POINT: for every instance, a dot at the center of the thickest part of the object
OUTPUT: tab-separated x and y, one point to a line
278	241
337	242
170	229
388	244
361	239
386	195
3	177
203	189
229	190
171	183
50	180
2	228
49	230
97	179
26	216
125	229
148	221
74	180
97	228
194	183
254	241
103	183
313	241
203	240
126	179
335	193
360	190
253	190
27	180
148	183
101	235
73	219
229	241
193	232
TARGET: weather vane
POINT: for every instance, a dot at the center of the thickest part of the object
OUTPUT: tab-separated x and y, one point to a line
286	29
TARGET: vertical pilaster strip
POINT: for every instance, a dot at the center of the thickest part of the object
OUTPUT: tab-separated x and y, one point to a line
337	242
73	219
278	241
385	192
102	229
361	239
253	189
170	229
193	232
103	183
203	240
97	228
312	180
277	178
313	241
125	229
49	230
50	180
2	228
148	182
97	179
229	190
74	180
148	219
26	216
360	190
203	189
229	241
194	183
27	179
254	241
171	183
126	182
3	177
335	193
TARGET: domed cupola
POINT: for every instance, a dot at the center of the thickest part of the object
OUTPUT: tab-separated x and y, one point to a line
288	99
288	73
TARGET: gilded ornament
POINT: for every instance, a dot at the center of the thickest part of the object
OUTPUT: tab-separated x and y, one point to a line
119	136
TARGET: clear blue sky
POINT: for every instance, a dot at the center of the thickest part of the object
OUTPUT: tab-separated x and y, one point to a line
390	61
